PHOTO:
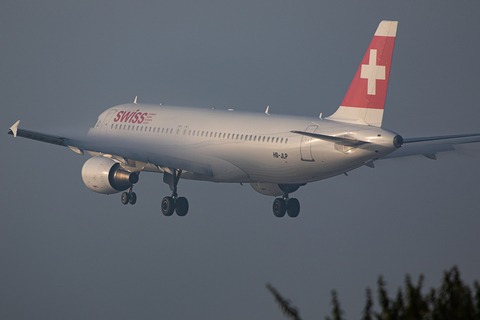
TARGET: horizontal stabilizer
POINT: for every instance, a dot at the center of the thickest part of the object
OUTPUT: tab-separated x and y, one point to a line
410	140
338	140
430	146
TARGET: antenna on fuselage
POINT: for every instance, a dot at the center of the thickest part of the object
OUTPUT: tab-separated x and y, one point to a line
135	101
266	110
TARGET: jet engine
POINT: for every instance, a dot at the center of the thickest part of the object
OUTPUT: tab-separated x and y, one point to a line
275	189
104	175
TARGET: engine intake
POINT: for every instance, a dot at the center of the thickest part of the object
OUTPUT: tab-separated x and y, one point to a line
104	175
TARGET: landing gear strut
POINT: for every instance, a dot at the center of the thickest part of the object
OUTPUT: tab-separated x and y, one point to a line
290	206
174	202
129	197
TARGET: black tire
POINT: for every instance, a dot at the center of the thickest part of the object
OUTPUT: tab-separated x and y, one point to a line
279	207
133	198
168	205
124	198
181	206
293	207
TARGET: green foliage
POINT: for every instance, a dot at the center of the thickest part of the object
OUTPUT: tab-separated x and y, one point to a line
336	311
454	300
287	309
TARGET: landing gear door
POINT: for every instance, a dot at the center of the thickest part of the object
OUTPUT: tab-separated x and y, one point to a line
305	145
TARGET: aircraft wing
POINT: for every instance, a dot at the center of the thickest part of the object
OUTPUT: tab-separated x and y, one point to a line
169	157
14	131
430	146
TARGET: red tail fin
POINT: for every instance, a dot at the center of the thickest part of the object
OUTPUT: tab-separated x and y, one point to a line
365	99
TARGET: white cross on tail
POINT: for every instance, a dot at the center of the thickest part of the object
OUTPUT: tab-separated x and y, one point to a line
372	72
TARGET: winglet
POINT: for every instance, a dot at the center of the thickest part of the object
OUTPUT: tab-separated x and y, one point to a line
14	128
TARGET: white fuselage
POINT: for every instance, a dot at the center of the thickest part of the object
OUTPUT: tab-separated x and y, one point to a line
232	146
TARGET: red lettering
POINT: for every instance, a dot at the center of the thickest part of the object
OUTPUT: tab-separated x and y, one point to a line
132	117
125	117
142	116
135	118
118	116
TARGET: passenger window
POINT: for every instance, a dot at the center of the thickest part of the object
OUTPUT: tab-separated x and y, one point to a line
224	135
268	139
286	140
255	138
189	131
215	135
128	127
237	136
250	138
171	130
211	134
202	133
241	138
228	137
138	127
276	141
111	127
281	141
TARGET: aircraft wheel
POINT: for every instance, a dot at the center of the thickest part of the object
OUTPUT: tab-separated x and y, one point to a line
279	207
125	198
181	206
132	199
293	207
168	205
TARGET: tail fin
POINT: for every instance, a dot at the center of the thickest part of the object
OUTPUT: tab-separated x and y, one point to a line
365	99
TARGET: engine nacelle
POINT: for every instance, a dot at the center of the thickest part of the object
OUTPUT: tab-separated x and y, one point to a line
104	175
274	189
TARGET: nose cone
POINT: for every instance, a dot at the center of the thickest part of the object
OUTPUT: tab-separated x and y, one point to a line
398	141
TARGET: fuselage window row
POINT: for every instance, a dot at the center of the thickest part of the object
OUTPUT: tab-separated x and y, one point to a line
237	136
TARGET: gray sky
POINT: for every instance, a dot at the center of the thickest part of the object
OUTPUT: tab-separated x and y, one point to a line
66	252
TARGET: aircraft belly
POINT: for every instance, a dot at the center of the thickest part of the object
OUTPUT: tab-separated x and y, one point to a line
273	163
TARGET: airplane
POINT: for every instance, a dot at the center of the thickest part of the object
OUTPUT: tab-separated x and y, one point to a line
275	154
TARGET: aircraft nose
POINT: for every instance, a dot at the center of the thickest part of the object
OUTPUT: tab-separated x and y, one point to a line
398	141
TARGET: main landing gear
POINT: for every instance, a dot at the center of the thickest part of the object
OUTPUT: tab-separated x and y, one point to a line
174	202
290	206
129	197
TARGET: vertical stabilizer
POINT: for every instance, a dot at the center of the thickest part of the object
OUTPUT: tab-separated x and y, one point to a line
365	99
